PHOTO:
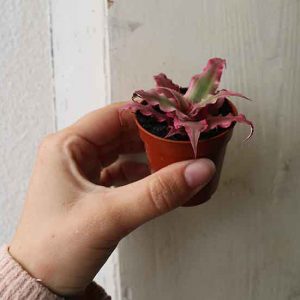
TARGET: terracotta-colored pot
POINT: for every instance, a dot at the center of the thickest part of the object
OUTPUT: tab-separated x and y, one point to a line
163	152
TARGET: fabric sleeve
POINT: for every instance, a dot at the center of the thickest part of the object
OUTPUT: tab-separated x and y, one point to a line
17	284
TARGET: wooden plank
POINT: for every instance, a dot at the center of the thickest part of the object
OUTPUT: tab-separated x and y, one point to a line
26	101
80	58
82	83
244	243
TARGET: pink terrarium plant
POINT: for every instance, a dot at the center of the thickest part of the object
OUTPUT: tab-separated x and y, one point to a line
179	123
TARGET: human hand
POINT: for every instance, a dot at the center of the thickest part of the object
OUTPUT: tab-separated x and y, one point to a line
72	220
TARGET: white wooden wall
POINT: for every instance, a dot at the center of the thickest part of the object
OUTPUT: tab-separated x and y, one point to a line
82	79
244	243
26	100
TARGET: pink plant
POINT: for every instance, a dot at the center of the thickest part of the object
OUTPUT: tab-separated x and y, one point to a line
193	111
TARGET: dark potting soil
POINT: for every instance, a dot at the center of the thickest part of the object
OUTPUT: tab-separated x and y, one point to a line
161	129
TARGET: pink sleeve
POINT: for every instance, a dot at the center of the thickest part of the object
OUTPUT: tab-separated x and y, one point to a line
17	284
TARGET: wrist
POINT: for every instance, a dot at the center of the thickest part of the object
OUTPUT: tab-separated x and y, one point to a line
16	282
41	267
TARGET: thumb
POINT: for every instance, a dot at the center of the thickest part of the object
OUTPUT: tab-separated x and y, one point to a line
162	191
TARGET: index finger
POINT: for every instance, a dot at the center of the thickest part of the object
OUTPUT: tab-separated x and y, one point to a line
106	125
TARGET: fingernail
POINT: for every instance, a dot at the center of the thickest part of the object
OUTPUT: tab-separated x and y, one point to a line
199	172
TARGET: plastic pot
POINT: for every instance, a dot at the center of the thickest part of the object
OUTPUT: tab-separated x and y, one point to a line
163	152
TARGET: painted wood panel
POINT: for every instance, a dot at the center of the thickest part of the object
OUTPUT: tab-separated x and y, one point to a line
244	243
81	78
26	101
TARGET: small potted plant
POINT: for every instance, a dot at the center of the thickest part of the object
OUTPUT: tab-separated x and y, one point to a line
177	123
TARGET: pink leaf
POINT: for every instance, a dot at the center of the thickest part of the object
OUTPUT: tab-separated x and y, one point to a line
150	111
163	81
207	82
211	99
182	103
198	112
173	131
193	130
226	121
146	110
152	97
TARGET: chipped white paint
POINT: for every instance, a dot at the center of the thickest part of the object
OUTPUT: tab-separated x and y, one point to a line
26	100
81	72
244	243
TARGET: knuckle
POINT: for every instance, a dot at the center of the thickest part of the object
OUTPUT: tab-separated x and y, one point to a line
162	194
47	143
56	143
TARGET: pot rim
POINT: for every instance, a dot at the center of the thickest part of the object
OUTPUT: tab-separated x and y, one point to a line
235	112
